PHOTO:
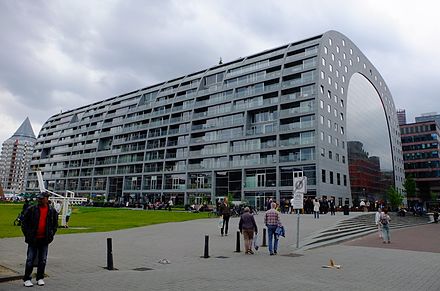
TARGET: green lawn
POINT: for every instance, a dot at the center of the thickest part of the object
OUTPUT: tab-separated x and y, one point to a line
94	219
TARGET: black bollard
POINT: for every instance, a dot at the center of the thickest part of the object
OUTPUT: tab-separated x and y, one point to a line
109	254
206	254
237	245
264	238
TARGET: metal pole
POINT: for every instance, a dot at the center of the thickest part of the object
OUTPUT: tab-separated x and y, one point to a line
206	253
237	245
264	238
109	254
297	229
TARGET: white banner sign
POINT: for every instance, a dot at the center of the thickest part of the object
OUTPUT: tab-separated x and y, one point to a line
298	201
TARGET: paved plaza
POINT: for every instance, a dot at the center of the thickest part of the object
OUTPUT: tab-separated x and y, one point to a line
77	261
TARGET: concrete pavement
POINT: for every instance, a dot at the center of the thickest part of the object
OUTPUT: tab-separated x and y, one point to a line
75	262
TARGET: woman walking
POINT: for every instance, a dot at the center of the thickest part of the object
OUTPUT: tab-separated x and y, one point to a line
247	227
385	221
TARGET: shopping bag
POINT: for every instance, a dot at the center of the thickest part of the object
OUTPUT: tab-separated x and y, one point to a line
256	242
220	222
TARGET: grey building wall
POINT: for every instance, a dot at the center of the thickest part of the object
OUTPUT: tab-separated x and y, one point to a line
187	131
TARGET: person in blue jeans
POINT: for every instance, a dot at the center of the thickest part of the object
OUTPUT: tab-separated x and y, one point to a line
272	220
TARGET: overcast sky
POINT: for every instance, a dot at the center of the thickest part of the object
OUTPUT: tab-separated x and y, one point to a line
59	55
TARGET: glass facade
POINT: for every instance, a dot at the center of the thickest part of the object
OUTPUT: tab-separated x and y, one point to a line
368	142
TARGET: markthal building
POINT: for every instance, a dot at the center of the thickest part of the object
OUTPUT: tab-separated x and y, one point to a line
239	128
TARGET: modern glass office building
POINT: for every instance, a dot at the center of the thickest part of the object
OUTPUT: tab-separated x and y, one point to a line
240	127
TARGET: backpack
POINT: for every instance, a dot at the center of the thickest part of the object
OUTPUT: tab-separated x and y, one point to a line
384	220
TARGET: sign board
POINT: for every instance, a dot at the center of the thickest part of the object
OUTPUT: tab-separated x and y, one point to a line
299	182
298	201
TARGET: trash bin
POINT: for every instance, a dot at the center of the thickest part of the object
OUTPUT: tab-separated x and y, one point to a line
346	210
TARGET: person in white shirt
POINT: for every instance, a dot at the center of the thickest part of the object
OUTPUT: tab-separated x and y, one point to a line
291	205
377	221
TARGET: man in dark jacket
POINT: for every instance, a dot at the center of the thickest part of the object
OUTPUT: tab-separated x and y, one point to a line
39	227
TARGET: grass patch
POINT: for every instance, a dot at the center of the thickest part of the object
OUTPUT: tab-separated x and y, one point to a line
94	219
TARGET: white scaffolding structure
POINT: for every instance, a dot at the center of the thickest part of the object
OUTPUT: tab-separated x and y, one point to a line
66	200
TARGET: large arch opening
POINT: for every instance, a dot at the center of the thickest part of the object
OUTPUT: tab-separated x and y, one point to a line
368	142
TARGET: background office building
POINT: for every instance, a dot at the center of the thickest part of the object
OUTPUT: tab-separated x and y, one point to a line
240	127
428	117
15	159
401	116
420	145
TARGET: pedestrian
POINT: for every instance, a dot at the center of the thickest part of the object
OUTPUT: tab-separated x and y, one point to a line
39	227
68	214
272	221
57	207
316	206
385	221
248	227
377	221
170	204
225	212
332	206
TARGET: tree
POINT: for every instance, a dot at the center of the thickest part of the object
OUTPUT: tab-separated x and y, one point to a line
394	197
410	187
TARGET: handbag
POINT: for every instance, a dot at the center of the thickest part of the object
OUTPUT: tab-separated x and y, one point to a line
280	231
256	242
220	222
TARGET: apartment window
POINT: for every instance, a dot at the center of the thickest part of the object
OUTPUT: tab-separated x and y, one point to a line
333	57
329	108
344	56
350	62
322	135
336	85
337	74
335	112
329	80
337	49
336	141
343	79
331	177
343	159
339	63
330	67
325	50
323	62
329	139
345	69
338	178
342	130
351	51
337	157
321	89
343	42
335	98
329	123
330	155
321	104
342	90
341	116
323	152
345	180
323	178
261	180
330	41
335	127
321	118
322	75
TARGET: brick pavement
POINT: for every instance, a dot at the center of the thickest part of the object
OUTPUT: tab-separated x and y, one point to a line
76	261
